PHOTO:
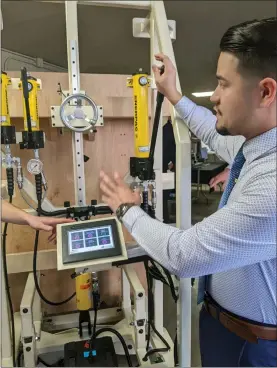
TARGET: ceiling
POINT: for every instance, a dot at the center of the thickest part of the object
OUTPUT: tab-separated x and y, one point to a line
106	44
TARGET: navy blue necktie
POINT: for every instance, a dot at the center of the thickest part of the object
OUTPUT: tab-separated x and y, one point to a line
233	177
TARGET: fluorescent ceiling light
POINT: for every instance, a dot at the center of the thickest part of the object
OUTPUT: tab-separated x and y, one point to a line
203	94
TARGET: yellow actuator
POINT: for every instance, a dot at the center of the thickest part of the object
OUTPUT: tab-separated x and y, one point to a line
33	88
5	115
83	291
140	84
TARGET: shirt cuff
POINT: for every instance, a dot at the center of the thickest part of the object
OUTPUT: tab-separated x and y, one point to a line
131	217
184	107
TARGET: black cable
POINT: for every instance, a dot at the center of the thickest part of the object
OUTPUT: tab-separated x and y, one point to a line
95	307
24	81
59	363
35	272
160	99
124	345
40	360
6	280
149	305
19	356
169	283
151	318
176	359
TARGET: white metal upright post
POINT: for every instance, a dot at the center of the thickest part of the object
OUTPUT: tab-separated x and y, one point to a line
6	342
158	166
183	185
74	87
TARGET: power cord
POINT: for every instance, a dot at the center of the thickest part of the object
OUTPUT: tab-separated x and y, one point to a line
7	287
151	318
39	198
106	329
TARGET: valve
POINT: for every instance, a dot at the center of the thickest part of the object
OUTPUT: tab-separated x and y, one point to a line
78	113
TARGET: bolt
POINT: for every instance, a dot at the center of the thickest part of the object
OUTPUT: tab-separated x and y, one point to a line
140	331
28	349
140	295
25	310
130	347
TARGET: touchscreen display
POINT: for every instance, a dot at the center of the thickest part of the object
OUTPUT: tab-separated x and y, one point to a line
88	240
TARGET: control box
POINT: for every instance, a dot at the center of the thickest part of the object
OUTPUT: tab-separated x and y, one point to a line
90	243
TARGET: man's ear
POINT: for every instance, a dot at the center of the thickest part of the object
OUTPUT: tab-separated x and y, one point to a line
268	87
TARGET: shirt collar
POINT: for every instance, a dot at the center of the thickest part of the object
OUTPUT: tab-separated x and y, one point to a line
257	146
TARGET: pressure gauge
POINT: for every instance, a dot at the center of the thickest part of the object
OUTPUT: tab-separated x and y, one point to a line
34	166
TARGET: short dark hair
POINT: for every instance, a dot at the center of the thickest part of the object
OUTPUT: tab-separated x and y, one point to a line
254	43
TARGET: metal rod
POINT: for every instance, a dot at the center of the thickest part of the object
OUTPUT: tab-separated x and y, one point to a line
183	183
74	87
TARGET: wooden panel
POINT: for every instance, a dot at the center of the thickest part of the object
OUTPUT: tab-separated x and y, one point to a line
110	91
110	150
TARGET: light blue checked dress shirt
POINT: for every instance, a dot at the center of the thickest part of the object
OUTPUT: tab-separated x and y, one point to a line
236	167
237	244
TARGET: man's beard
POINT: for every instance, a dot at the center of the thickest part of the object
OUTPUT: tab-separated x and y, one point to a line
222	131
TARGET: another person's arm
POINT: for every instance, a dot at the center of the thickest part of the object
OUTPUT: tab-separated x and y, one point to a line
200	120
14	215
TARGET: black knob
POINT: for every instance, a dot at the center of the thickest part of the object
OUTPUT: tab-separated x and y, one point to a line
66	204
93	202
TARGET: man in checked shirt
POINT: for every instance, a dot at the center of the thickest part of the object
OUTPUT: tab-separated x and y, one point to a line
234	250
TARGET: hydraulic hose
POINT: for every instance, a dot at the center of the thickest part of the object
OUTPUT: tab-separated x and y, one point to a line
7	287
125	348
35	266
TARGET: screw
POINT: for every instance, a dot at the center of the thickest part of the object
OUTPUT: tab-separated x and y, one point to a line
130	347
119	310
53	116
140	295
140	331
25	310
52	108
28	349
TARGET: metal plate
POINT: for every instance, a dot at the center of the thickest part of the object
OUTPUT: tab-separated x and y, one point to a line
57	123
141	28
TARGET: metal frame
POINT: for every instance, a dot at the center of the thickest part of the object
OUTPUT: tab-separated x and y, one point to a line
159	41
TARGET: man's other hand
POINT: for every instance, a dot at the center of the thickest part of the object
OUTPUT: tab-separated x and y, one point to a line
116	192
221	178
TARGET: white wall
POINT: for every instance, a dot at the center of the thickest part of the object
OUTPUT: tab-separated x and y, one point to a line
13	61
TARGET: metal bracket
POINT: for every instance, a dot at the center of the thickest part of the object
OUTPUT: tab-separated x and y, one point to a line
141	28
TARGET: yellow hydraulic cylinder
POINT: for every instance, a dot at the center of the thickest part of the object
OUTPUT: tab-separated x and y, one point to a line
83	291
5	114
33	88
140	84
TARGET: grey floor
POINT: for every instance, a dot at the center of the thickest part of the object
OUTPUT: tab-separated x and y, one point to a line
200	209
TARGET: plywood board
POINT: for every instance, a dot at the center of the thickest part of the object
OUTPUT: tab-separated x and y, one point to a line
111	149
109	91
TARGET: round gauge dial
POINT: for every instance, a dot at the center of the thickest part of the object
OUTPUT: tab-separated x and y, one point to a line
34	166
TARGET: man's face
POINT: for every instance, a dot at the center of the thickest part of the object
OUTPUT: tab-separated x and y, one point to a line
233	97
